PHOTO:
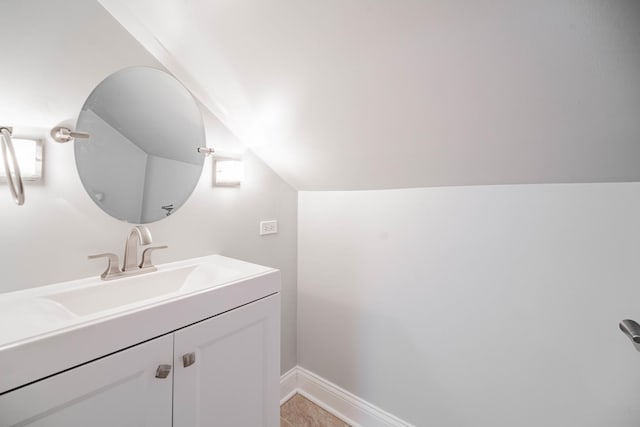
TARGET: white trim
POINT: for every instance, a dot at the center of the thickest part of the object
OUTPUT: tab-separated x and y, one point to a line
288	384
348	407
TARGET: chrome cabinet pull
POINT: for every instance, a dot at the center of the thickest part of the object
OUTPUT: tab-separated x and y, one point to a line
188	359
163	371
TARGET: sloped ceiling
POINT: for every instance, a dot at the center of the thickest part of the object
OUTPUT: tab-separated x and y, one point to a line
361	94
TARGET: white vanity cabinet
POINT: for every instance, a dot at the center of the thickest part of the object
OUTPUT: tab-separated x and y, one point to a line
225	372
118	390
234	378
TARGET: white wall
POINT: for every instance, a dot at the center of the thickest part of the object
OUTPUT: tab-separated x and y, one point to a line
475	306
59	51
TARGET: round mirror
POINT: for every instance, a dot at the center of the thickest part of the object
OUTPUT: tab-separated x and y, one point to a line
141	161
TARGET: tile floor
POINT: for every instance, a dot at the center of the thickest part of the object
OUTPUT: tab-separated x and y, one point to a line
301	412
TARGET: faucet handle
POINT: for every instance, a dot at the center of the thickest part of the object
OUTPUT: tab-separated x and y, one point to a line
112	268
146	256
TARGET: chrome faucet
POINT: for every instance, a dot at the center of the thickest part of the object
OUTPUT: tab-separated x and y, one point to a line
138	236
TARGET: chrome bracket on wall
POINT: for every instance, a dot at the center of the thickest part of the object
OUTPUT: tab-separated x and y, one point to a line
207	151
64	134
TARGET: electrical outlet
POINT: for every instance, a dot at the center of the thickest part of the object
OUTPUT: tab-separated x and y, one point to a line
268	227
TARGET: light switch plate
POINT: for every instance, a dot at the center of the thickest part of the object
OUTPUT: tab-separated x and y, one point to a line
268	227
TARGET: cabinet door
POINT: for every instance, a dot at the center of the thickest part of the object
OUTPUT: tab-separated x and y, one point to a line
234	378
118	390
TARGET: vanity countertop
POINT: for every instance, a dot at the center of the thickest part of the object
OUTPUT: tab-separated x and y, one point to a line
48	329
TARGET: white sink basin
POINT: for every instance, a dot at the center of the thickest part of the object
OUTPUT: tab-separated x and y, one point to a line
148	287
121	292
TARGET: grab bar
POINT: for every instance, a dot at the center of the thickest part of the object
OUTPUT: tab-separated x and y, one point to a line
13	178
631	329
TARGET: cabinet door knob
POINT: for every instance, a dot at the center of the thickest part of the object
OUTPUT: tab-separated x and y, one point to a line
163	371
188	359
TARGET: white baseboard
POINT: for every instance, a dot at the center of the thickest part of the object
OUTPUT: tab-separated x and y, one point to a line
334	399
288	385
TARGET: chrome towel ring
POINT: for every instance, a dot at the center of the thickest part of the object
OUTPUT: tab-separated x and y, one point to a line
12	170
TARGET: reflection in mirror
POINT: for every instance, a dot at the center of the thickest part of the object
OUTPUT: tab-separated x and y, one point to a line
141	161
